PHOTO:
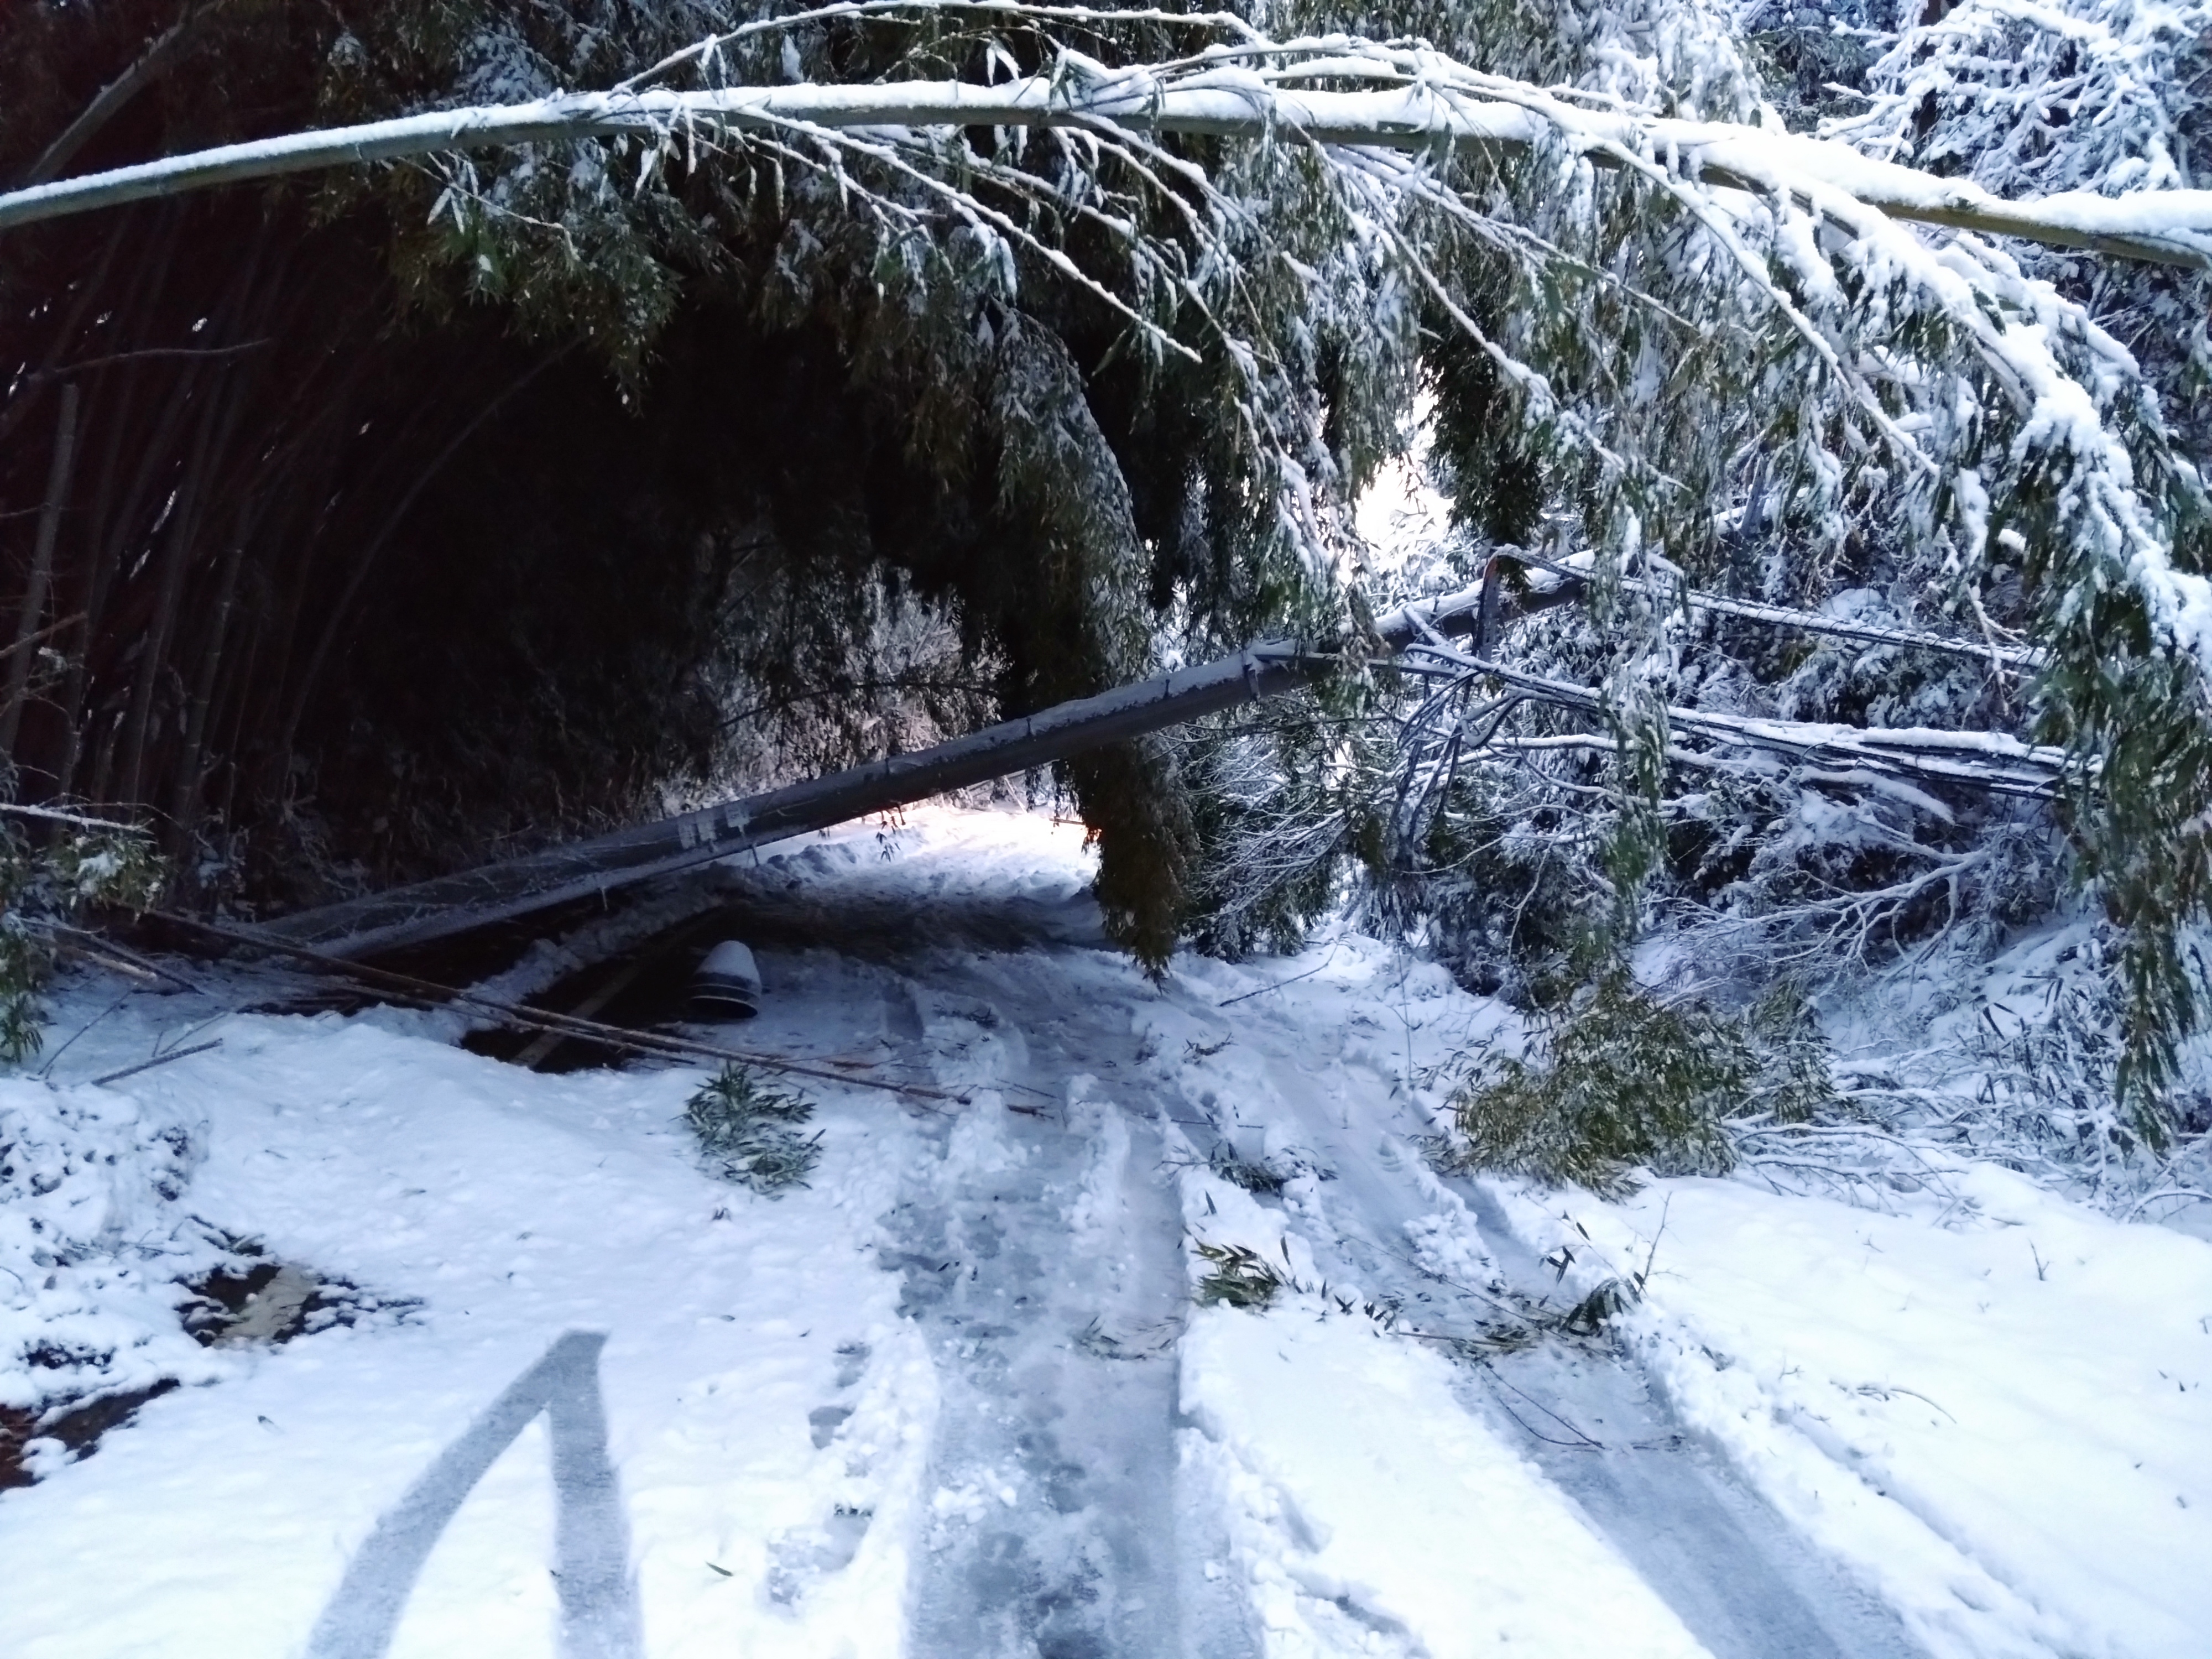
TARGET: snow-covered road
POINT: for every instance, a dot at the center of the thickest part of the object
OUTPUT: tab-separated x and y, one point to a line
956	1397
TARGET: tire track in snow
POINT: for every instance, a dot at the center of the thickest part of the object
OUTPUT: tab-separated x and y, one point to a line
1042	1257
1740	1581
1061	1528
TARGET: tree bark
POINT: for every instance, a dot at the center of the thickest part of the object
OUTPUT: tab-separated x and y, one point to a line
112	513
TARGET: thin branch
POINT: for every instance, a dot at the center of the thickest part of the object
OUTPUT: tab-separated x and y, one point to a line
45	633
429	992
144	353
51	815
2029	657
158	1060
1989	760
150	66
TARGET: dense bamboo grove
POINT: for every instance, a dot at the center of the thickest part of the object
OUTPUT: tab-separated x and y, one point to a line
716	384
351	574
226	425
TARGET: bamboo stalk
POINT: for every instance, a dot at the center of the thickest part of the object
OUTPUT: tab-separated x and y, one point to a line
219	419
1395	116
434	995
150	66
29	625
183	808
454	905
458	904
333	621
542	1047
158	1060
113	527
176	553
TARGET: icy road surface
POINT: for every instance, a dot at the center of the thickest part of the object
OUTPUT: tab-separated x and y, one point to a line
956	1400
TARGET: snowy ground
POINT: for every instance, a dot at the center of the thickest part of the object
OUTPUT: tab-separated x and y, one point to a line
956	1397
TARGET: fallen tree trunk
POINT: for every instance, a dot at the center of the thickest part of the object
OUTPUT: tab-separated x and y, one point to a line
454	905
451	905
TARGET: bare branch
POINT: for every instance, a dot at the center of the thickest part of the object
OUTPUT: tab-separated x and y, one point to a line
150	66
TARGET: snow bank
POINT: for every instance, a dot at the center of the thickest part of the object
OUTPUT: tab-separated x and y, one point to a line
1996	1405
93	1234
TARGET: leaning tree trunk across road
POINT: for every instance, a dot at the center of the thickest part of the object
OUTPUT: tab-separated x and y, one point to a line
450	905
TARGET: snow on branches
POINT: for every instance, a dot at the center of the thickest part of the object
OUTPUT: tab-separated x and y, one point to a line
1670	315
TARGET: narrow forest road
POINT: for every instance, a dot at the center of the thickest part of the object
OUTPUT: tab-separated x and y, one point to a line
1043	1253
963	1396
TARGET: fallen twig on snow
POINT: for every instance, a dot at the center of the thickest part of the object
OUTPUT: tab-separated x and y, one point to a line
158	1060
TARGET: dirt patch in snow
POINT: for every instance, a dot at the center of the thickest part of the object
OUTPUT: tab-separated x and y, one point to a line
72	1431
249	1300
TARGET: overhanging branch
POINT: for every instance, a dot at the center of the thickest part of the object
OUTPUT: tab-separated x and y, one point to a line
2168	227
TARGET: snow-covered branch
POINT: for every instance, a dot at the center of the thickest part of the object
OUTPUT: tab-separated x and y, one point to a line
1985	762
1422	104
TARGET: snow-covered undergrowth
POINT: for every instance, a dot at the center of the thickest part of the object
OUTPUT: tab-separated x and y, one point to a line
957	1395
96	1234
2011	1060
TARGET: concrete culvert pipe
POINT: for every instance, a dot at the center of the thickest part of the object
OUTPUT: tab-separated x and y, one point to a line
727	985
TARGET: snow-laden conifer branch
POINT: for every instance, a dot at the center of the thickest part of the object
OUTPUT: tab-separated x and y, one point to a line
1422	103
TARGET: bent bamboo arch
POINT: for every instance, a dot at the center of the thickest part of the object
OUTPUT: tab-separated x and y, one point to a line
2167	226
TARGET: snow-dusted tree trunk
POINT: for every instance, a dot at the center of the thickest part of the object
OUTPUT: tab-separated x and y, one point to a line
456	904
451	905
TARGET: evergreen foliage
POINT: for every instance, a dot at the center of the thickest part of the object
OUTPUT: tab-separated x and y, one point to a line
1240	1277
1628	1082
753	1131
